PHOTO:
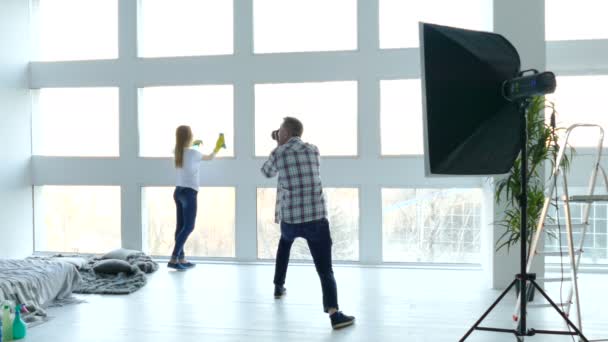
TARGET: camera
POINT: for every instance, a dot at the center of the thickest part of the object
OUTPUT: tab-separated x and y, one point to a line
275	135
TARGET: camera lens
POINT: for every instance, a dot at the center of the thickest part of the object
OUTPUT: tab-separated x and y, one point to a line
275	135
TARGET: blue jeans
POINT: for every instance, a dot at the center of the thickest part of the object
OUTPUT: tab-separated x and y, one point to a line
185	203
316	233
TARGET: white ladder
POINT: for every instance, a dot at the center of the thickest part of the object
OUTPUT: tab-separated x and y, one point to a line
574	254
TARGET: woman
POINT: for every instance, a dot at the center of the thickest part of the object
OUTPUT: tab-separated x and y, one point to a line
187	163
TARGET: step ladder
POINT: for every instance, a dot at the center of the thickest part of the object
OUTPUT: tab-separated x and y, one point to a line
574	253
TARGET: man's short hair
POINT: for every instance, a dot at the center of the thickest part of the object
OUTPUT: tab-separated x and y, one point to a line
293	125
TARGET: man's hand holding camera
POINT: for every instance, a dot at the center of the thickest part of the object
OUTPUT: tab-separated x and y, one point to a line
275	135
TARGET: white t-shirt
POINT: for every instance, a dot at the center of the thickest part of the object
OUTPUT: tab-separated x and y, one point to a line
188	174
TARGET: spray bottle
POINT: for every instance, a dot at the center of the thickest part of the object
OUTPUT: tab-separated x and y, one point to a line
7	324
19	327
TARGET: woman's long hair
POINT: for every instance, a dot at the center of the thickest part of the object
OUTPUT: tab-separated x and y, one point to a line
183	139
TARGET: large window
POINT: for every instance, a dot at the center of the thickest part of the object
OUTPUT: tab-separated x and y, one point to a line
576	20
77	219
77	29
431	225
327	110
186	27
207	109
399	19
304	25
118	77
579	99
213	235
401	117
343	211
75	122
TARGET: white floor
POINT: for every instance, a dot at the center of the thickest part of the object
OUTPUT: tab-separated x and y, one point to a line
225	302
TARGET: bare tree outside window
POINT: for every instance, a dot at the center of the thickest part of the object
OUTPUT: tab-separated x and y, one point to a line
343	211
213	234
431	225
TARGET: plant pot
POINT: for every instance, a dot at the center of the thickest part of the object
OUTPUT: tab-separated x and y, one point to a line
531	290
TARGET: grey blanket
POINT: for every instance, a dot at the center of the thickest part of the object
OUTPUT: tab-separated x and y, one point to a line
37	283
121	283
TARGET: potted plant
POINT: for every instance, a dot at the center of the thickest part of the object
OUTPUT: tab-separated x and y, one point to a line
542	147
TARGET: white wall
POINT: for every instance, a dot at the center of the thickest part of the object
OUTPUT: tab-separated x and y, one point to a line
522	23
16	228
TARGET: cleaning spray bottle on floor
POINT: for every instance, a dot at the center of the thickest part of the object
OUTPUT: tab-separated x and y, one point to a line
19	327
7	324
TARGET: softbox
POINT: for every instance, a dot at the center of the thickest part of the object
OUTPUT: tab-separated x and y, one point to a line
470	128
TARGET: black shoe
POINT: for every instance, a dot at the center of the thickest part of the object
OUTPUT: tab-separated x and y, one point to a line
279	291
176	266
187	264
340	320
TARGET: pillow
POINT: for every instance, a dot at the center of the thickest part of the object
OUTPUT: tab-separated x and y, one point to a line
76	261
121	254
147	266
113	266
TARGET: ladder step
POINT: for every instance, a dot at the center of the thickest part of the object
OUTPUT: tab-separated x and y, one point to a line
587	198
546	305
563	253
554	280
563	226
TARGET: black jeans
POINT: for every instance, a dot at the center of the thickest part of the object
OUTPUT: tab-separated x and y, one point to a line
316	233
186	204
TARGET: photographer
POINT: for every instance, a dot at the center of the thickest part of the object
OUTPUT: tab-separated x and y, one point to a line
301	211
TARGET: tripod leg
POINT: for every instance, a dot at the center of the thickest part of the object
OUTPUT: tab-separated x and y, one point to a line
485	314
560	312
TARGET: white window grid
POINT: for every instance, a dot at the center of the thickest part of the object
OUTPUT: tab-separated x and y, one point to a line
368	171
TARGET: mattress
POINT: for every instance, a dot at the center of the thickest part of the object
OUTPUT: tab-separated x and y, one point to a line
37	282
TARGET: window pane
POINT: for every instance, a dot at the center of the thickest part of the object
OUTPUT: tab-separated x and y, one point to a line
343	211
575	20
595	251
78	29
580	99
76	122
327	110
186	27
401	117
304	25
208	110
213	234
399	19
77	219
431	225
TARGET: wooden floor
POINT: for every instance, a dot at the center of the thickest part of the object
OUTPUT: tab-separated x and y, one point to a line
226	302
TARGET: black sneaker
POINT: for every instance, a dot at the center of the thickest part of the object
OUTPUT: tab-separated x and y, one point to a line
187	264
279	291
340	320
176	266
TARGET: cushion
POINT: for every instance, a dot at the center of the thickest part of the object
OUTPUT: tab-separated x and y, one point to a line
76	261
147	266
113	266
121	254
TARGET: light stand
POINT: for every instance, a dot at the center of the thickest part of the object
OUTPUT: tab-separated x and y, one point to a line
524	277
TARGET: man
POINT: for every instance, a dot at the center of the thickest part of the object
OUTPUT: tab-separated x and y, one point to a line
301	211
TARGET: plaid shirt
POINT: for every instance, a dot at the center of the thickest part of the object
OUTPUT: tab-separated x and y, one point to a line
299	191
